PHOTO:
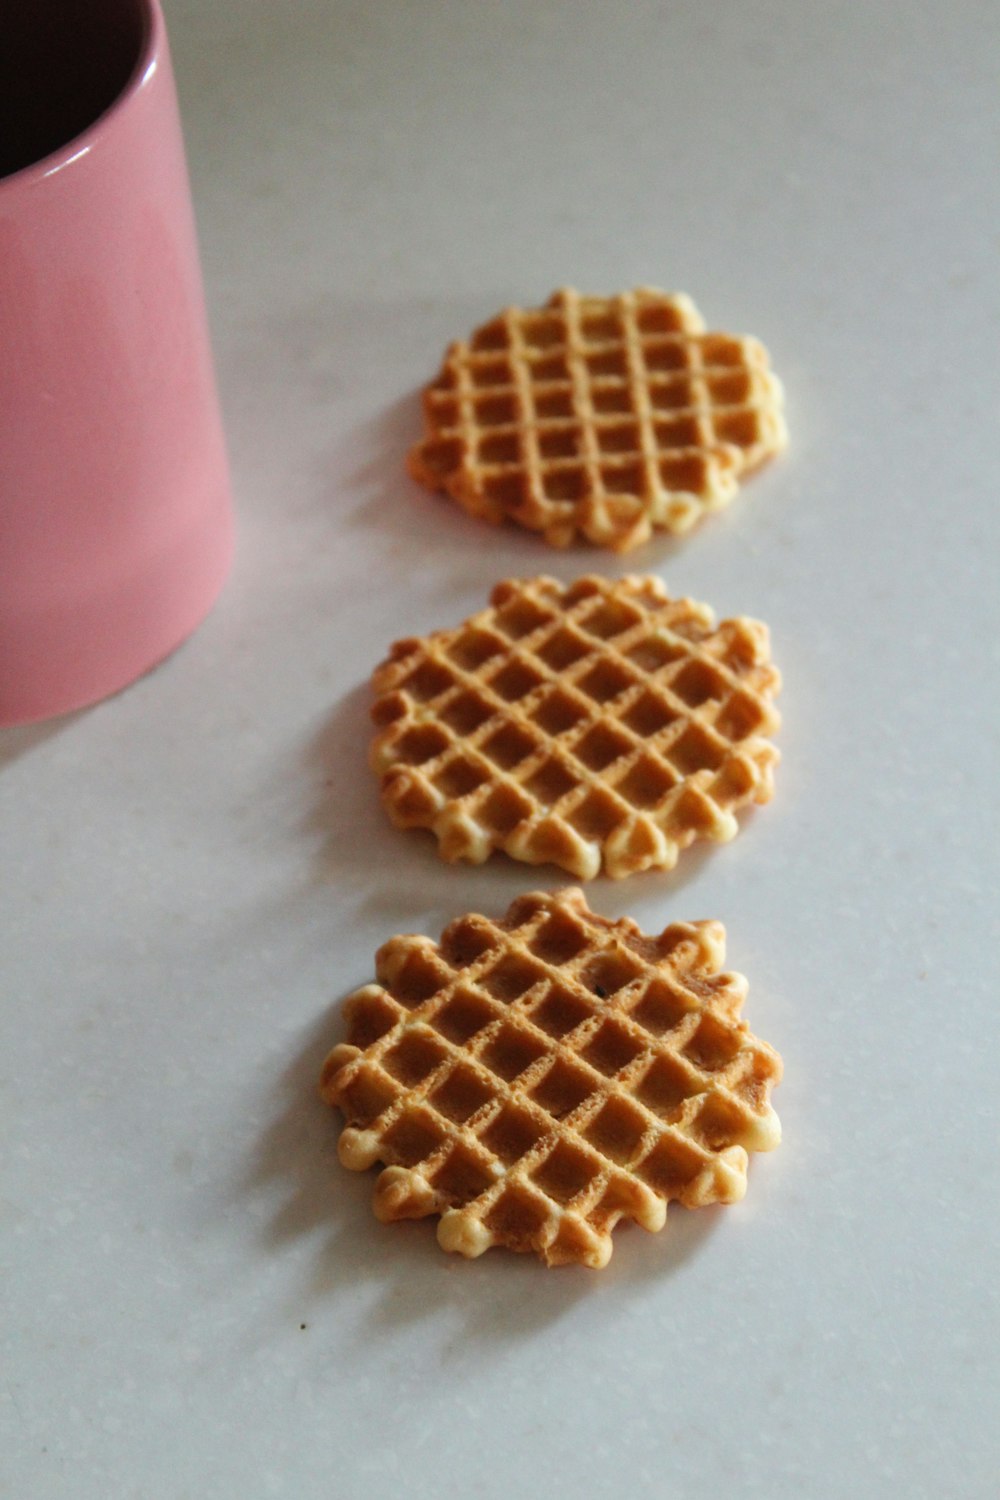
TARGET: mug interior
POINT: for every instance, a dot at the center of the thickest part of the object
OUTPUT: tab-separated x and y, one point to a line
63	63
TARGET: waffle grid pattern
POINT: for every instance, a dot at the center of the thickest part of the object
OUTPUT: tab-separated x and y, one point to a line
598	724
600	417
535	1080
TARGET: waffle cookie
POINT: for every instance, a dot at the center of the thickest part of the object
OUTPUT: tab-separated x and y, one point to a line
603	417
536	1079
601	724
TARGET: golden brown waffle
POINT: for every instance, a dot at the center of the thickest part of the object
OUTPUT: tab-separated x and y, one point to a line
536	1079
605	417
600	723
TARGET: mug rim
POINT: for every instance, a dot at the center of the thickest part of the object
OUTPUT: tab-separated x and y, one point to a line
79	145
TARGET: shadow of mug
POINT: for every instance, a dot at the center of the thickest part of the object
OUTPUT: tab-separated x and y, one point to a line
115	509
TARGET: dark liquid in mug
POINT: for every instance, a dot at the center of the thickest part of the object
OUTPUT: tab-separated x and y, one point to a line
62	63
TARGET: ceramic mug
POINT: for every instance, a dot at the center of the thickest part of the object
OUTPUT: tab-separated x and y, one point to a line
115	509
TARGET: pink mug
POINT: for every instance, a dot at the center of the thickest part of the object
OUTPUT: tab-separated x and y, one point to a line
115	510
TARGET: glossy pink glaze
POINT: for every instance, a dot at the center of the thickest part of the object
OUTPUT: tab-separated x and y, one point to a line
115	511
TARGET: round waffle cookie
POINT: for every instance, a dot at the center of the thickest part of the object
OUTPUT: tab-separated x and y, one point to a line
536	1079
604	417
601	724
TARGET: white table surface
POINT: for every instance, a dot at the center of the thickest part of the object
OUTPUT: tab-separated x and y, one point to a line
199	1302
